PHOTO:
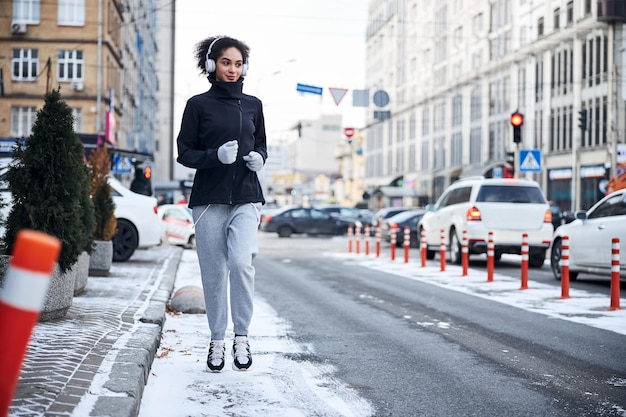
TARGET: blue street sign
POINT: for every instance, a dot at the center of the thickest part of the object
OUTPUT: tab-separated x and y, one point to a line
530	160
303	88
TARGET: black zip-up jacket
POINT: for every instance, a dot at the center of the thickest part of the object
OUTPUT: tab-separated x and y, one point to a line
211	119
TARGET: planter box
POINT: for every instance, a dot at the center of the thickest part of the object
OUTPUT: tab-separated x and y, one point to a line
101	258
60	292
81	268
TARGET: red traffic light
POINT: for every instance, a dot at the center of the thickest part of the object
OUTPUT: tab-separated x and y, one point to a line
517	119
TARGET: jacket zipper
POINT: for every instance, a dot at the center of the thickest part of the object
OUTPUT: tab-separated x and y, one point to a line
235	167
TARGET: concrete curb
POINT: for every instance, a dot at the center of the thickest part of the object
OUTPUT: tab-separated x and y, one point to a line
130	371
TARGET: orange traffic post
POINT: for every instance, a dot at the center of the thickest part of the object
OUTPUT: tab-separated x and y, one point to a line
350	233
25	286
442	250
615	274
423	247
490	257
377	241
367	239
464	253
357	239
524	275
393	242
565	267
407	243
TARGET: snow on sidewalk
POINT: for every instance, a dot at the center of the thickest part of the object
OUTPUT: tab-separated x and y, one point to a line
277	385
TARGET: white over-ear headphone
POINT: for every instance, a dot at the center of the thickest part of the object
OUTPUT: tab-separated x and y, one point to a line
210	65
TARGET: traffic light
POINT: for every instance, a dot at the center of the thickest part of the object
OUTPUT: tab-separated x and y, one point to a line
517	120
582	119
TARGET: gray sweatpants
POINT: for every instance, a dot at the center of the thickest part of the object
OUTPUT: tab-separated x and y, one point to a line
226	241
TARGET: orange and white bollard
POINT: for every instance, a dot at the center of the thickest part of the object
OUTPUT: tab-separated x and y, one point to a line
565	267
490	257
357	239
423	247
615	274
407	243
442	250
524	274
464	253
367	239
350	234
25	287
393	243
378	241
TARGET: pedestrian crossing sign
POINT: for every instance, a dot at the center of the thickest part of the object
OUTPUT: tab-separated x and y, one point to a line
530	160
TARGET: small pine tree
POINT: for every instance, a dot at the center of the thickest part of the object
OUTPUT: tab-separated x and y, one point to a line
104	207
50	183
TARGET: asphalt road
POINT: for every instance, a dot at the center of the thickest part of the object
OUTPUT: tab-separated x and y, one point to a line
415	349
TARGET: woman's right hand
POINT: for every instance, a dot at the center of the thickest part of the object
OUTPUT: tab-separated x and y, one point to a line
227	153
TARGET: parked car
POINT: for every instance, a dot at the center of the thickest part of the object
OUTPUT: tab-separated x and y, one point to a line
138	225
385	213
505	206
178	226
560	217
364	216
306	220
590	238
396	224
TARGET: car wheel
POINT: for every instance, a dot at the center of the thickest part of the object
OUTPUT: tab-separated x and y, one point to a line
555	262
125	241
454	251
536	260
191	243
284	231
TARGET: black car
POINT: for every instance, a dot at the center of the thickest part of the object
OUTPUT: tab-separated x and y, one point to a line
306	220
396	224
560	217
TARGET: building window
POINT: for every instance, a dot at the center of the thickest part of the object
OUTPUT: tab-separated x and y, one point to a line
557	18
71	12
70	65
22	120
570	13
24	64
26	11
456	151
540	27
587	7
425	156
476	146
457	110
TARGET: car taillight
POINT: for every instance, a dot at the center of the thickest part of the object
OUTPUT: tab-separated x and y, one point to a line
393	226
267	219
156	211
472	214
547	218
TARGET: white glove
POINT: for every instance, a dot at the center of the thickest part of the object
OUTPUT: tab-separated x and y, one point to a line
254	161
227	153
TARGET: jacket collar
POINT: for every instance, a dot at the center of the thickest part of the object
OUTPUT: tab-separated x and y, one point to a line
221	89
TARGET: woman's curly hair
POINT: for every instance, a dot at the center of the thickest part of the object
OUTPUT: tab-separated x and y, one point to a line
223	43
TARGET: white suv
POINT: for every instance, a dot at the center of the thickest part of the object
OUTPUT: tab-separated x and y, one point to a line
506	207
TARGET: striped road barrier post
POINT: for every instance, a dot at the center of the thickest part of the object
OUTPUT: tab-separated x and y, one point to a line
565	267
25	287
464	253
490	257
614	275
442	250
524	274
407	243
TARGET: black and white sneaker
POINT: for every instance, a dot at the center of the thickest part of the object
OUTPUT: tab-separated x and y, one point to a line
242	359
215	359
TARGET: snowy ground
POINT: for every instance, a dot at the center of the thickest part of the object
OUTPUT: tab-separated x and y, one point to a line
278	387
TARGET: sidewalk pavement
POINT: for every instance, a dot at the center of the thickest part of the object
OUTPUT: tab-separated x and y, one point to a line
118	318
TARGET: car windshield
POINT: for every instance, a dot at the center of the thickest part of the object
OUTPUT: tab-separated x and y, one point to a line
509	194
405	215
